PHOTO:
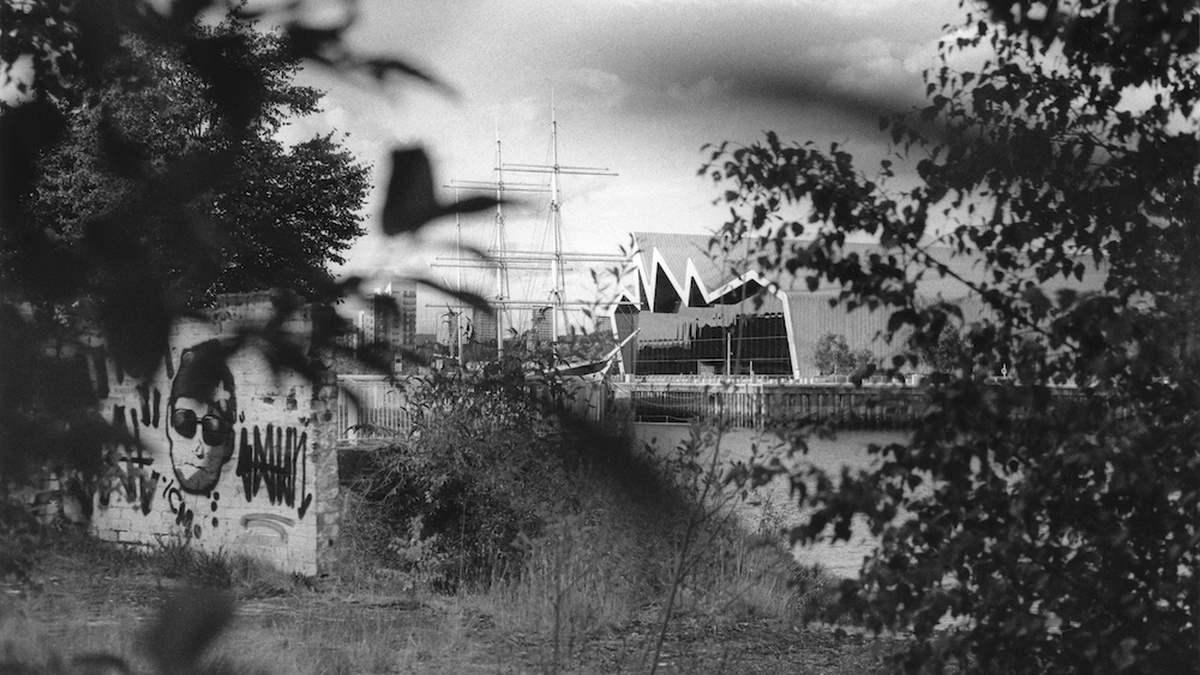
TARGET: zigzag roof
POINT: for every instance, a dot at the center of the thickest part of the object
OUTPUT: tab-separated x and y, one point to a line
683	270
676	270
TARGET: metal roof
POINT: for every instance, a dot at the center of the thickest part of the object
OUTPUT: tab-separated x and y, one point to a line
698	272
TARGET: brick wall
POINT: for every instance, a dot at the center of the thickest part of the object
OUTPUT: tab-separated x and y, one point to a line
238	460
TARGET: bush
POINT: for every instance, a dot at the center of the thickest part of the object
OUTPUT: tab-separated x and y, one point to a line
475	478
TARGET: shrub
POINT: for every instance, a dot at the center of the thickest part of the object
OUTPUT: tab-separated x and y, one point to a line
477	474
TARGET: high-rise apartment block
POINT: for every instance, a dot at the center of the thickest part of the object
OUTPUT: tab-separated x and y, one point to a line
390	318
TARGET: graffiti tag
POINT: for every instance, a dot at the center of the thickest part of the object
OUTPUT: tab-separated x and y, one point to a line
277	460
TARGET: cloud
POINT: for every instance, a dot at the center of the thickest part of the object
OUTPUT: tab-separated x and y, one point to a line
591	88
875	66
859	9
705	89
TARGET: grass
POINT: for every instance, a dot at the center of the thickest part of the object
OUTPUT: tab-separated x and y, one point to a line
613	583
77	607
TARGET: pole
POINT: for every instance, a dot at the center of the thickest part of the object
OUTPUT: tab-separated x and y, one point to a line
728	351
457	316
501	245
556	215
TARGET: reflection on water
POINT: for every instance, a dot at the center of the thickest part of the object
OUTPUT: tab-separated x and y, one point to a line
771	507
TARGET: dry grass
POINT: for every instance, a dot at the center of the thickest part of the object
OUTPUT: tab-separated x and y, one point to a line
104	602
591	597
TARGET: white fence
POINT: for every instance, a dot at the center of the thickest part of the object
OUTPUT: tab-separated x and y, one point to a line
369	406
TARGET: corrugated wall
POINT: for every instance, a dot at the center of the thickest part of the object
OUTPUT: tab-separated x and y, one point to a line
812	317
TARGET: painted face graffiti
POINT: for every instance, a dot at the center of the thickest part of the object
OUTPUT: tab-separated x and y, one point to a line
202	409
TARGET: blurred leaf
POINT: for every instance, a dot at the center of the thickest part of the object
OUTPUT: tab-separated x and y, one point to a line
109	664
136	321
313	43
380	67
25	132
99	25
123	156
411	202
186	627
235	84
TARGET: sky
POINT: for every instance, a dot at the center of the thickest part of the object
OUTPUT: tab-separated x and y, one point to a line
637	87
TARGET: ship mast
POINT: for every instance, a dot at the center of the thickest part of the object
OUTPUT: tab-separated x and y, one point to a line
499	256
505	260
556	170
500	249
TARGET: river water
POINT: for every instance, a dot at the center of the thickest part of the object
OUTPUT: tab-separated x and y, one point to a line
770	507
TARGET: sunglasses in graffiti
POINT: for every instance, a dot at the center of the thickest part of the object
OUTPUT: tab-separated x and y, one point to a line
213	428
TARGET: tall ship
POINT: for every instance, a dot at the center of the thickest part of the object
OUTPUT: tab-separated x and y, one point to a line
541	310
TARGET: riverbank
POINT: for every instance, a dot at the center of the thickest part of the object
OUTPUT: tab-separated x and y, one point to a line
771	508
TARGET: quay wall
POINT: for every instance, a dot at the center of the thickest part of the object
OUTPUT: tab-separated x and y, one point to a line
753	404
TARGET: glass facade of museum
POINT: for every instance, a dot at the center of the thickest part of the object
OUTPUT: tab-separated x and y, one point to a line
721	340
748	345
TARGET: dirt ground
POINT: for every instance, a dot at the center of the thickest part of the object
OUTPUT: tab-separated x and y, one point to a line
71	606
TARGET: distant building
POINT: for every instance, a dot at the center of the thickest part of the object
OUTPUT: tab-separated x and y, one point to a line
366	328
543	324
483	327
697	313
391	317
351	339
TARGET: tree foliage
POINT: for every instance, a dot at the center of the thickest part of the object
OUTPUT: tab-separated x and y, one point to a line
833	356
140	175
1020	510
276	218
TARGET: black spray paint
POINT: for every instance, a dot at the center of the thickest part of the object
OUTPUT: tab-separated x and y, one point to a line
275	459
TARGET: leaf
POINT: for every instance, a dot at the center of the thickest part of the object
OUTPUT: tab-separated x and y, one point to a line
235	84
381	67
99	37
186	626
25	132
101	663
137	321
312	43
122	156
411	203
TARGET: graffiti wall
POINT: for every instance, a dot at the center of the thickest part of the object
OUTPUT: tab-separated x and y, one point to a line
230	456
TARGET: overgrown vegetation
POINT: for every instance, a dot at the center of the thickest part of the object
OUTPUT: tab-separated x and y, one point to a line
489	493
27	544
583	536
474	481
1018	534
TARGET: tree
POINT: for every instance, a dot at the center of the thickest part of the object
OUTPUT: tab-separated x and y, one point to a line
278	216
947	352
1013	512
151	246
832	355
